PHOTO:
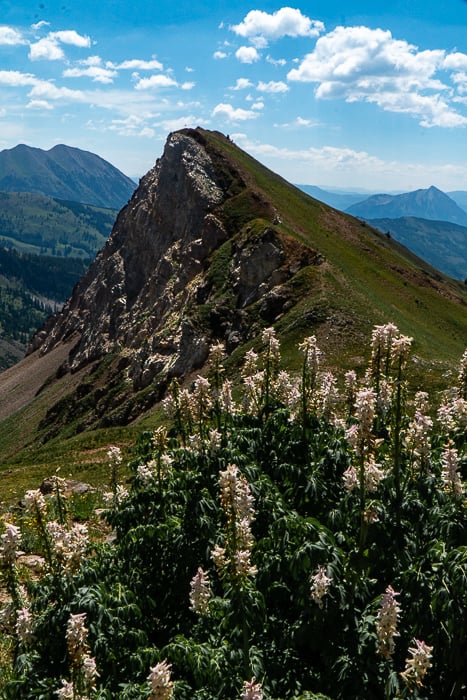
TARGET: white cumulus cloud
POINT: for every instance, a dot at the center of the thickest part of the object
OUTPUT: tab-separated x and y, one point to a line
97	73
242	84
10	36
272	86
259	26
219	55
14	78
360	64
40	105
70	36
46	90
247	54
155	81
138	64
231	113
49	48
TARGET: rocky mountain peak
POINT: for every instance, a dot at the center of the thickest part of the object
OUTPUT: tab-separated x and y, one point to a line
192	251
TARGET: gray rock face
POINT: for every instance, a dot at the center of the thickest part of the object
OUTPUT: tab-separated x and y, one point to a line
151	298
154	252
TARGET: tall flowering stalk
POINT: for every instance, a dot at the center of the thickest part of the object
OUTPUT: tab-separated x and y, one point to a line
310	367
417	436
462	377
115	458
200	592
216	357
400	347
36	506
10	542
386	622
367	475
159	440
450	472
271	362
237	504
233	561
82	664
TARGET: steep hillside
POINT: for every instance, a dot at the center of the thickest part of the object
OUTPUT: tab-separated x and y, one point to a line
442	244
424	204
214	247
65	173
38	224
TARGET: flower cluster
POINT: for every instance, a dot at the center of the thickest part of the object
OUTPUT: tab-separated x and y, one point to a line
200	592
9	544
69	544
252	690
386	622
418	664
83	666
24	626
320	584
34	503
237	504
417	437
450	473
161	686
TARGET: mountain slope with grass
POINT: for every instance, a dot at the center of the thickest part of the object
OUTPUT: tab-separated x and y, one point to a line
440	243
213	247
64	172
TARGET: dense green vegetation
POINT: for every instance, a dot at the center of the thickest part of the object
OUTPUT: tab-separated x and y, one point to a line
31	288
20	314
307	542
34	223
47	276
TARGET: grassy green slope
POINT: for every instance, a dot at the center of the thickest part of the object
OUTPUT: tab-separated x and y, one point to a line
366	279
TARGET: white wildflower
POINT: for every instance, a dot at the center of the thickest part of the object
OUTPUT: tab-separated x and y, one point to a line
320	584
160	684
386	622
417	665
200	592
252	690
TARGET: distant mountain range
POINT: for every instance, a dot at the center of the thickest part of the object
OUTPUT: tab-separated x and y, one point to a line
431	223
66	173
57	209
338	200
431	203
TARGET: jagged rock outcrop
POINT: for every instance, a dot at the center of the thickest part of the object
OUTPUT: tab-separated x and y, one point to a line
195	248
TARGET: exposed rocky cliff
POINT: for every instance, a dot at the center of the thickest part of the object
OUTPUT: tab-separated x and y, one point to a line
196	256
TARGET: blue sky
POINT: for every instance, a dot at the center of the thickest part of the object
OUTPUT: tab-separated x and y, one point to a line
347	95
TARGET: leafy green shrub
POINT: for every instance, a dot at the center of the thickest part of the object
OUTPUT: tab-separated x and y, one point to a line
312	540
